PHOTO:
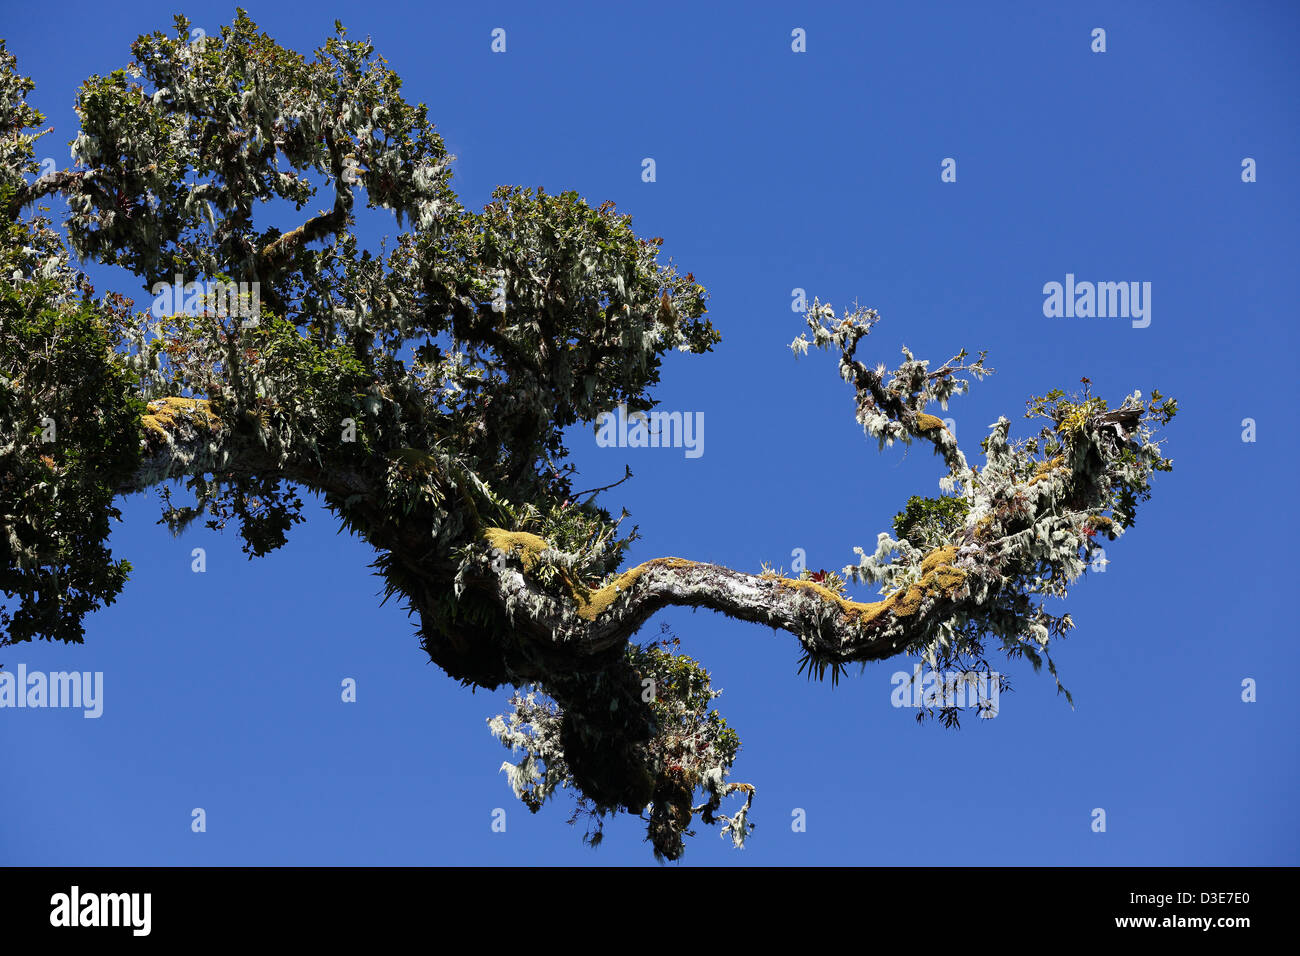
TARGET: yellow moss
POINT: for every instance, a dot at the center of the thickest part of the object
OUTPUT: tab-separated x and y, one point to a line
938	577
983	525
852	610
164	413
925	423
937	557
819	589
940	582
1101	523
1045	469
286	240
528	546
592	604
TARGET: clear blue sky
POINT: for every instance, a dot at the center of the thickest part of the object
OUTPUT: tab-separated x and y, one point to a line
776	170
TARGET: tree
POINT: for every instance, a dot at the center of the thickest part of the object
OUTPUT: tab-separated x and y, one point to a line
423	392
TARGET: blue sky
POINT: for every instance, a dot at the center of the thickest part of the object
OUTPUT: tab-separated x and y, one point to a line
776	170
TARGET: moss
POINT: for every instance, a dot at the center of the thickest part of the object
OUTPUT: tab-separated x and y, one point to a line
938	578
819	589
164	413
1101	523
1045	469
925	423
938	557
527	546
592	604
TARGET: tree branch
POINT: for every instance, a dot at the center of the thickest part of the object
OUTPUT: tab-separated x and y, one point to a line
184	437
831	627
50	183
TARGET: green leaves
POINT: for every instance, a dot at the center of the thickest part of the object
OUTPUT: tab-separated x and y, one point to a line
216	126
928	523
69	434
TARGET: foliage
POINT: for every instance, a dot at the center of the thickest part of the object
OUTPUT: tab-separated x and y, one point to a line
928	521
423	389
685	748
70	434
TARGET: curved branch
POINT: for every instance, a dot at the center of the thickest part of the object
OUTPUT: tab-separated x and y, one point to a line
1022	540
184	436
828	625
